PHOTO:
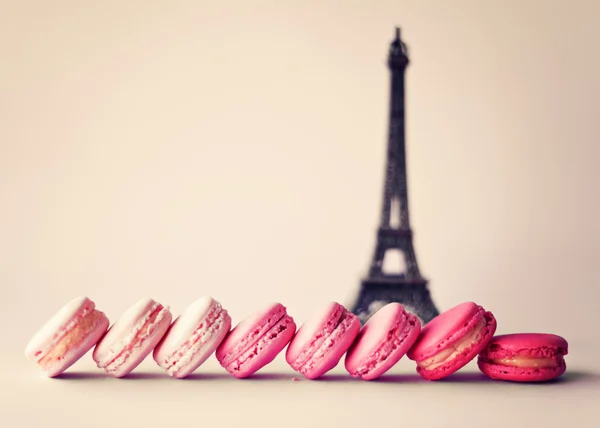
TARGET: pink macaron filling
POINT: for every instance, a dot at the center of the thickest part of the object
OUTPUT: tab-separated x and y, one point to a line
452	351
342	322
72	335
395	338
215	320
263	342
142	330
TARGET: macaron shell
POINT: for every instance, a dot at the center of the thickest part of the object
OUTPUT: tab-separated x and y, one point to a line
466	356
390	327
446	329
48	334
264	350
79	350
535	345
520	374
341	342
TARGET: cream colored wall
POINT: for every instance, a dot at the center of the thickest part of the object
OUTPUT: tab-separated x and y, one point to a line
175	149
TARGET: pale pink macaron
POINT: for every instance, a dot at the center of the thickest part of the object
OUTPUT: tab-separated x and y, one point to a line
193	337
451	340
322	341
256	341
67	336
382	342
132	337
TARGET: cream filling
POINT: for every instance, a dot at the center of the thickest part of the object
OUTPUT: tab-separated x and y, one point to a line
81	328
201	336
525	362
136	338
451	352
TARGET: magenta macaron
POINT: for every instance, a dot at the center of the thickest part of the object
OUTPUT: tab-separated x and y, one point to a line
256	341
524	357
67	336
451	340
192	337
132	337
382	342
322	340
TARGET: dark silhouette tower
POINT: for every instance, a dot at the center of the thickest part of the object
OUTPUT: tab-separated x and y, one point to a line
407	287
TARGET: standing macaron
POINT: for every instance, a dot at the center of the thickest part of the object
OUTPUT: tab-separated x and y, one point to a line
525	357
451	340
193	337
322	341
67	336
256	341
132	337
382	342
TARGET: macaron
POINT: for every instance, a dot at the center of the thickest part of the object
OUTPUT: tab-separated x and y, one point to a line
67	336
322	340
193	337
256	341
524	357
132	337
382	342
451	340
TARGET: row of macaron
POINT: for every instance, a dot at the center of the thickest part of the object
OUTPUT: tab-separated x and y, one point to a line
441	347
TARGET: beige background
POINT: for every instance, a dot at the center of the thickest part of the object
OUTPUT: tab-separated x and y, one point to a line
175	149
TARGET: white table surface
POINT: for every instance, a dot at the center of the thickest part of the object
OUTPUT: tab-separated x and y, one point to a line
85	397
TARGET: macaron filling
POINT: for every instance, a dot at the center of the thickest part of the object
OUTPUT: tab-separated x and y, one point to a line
214	321
73	334
319	338
139	333
522	361
345	321
261	344
396	336
448	354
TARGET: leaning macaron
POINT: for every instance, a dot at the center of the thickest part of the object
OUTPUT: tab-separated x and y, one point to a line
132	337
451	340
382	342
256	341
67	336
192	337
322	341
524	357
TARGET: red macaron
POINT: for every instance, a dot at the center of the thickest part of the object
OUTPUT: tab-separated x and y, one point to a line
524	357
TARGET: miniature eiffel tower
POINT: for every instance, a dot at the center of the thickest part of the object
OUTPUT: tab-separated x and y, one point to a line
407	287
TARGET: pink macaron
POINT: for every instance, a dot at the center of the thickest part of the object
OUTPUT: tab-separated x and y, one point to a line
67	336
132	337
193	337
382	342
322	341
256	341
451	340
525	357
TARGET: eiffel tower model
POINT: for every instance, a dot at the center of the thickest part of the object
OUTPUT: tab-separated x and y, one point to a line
407	287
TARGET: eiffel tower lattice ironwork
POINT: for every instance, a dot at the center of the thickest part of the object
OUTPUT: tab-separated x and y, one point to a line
408	287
